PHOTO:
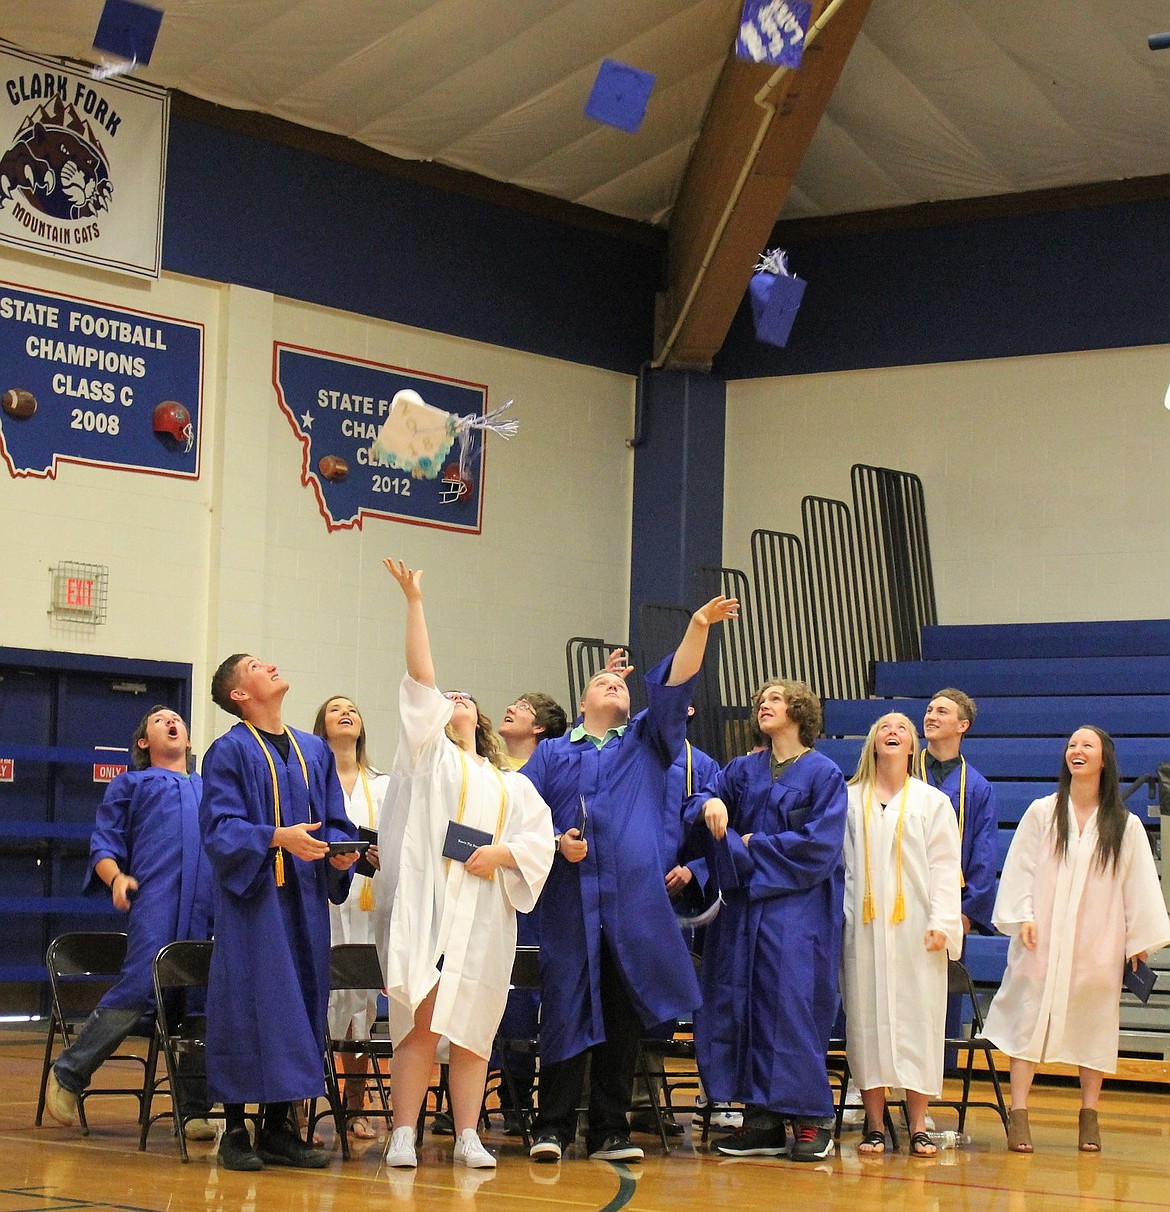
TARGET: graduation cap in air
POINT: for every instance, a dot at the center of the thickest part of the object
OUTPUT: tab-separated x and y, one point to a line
772	31
620	95
775	297
128	30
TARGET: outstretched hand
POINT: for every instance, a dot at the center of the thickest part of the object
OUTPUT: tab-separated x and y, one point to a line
717	610
409	579
619	662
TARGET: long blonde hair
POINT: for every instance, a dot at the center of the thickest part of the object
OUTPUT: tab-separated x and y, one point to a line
866	773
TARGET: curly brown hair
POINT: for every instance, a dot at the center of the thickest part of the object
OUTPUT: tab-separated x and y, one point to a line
804	709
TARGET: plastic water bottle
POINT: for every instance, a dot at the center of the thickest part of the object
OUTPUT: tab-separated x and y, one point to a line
949	1139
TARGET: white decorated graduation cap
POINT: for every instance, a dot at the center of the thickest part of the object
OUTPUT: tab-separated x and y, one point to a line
772	32
128	30
775	296
620	95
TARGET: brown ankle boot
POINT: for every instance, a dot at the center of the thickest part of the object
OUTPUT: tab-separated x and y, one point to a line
1089	1131
1019	1133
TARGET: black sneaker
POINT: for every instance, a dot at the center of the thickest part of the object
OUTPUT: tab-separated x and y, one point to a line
546	1148
754	1142
236	1152
280	1147
811	1143
442	1124
616	1147
513	1123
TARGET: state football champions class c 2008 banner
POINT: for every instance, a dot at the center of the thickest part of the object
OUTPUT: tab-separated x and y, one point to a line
380	441
86	383
82	163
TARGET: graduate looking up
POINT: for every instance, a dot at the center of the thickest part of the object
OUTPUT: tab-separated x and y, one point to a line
613	959
532	718
949	715
902	922
780	816
352	1011
146	849
1080	899
272	804
464	845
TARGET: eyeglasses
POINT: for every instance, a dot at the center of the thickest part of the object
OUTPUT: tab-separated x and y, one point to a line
523	705
458	694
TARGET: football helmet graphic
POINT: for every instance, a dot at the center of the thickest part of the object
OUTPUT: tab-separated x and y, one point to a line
172	418
454	486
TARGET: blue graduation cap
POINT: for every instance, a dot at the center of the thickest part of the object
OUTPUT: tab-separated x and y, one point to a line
775	297
128	30
772	31
620	94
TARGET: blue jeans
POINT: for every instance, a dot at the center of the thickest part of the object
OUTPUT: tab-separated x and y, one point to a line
99	1038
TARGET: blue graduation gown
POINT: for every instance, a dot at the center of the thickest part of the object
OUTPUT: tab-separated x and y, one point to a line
703	772
771	957
980	853
148	823
618	888
269	987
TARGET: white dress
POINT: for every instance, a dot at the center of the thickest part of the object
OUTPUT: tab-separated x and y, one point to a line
896	990
1060	1001
349	922
427	907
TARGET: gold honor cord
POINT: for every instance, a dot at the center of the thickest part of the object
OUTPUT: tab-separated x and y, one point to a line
868	912
463	801
278	865
690	771
962	801
366	896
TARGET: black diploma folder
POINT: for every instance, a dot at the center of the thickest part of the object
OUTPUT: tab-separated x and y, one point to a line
1141	982
462	841
362	866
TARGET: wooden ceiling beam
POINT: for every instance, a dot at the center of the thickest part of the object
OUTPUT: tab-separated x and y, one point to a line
758	127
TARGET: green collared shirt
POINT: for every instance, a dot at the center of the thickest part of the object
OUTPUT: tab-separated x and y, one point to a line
579	734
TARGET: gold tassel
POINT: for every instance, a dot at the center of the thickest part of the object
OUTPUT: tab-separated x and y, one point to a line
899	914
867	910
279	867
366	898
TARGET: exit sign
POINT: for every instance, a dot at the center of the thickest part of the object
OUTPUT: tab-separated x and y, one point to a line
79	592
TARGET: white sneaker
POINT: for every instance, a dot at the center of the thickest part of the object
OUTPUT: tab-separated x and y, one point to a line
400	1148
199	1129
727	1119
60	1103
469	1152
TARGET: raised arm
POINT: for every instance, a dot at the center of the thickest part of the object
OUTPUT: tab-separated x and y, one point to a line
689	655
419	664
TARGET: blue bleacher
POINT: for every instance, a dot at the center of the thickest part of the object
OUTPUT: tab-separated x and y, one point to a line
1034	684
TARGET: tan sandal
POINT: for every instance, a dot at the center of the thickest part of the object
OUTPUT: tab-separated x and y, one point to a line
1019	1133
1089	1131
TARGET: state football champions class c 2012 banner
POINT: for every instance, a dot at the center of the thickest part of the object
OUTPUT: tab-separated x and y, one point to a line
104	386
82	163
381	441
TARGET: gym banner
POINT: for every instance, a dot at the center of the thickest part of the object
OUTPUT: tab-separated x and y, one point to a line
86	383
82	163
379	441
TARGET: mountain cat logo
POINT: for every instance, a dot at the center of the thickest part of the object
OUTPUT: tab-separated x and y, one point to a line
57	166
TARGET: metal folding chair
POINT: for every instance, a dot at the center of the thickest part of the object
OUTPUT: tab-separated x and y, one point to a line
83	966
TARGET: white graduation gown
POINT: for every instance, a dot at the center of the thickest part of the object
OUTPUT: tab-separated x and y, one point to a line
896	990
350	923
427	907
1060	1002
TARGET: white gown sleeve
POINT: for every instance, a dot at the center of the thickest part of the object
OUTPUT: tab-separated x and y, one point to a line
946	874
1014	903
528	833
1147	926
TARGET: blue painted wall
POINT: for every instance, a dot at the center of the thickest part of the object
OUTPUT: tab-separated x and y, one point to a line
243	210
678	488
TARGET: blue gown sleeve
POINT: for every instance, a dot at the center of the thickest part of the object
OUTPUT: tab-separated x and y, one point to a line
663	724
802	857
111	827
980	855
238	848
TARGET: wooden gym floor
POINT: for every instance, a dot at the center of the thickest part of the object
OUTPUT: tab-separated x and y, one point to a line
54	1169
